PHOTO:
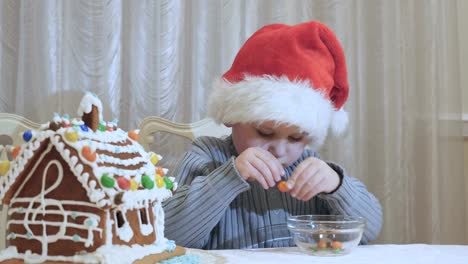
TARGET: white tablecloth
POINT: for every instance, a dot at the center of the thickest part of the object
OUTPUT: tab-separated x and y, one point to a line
413	253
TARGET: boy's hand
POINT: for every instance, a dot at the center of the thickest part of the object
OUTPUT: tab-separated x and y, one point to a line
257	164
312	177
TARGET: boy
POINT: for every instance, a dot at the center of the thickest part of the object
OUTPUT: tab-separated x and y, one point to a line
285	89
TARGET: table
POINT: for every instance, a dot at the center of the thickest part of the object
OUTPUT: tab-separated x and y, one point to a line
386	253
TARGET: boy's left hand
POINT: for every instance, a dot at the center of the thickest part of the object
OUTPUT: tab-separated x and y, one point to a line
312	177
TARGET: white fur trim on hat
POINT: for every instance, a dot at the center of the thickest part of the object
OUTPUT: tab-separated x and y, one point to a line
267	98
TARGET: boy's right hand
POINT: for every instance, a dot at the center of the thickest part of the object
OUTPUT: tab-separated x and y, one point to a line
257	164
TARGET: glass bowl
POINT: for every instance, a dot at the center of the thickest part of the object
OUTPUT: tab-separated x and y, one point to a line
326	235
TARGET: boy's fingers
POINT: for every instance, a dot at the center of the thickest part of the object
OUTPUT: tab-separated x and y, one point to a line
255	175
276	163
271	170
305	181
291	183
264	170
273	163
310	194
309	187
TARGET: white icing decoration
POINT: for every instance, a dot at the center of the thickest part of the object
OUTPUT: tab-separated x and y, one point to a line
86	104
171	246
118	161
109	223
77	122
158	221
44	126
57	118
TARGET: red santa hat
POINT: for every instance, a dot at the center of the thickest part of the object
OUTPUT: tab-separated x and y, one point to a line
292	75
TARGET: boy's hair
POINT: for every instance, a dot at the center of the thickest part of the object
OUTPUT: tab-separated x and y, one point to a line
292	75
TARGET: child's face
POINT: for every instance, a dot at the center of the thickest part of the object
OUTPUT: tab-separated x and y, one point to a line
285	142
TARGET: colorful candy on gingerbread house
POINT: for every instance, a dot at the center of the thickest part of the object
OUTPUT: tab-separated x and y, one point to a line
83	190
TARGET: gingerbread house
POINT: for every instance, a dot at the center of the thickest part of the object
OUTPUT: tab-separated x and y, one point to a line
82	190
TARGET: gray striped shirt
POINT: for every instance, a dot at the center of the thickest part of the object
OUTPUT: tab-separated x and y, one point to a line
215	208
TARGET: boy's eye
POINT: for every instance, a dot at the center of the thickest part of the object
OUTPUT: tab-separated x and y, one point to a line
264	133
295	139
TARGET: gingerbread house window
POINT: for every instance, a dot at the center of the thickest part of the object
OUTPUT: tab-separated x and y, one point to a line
119	218
144	216
122	226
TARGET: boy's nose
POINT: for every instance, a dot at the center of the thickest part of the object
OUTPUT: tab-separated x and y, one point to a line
277	148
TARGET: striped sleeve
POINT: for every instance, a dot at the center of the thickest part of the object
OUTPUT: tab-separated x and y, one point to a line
205	192
352	198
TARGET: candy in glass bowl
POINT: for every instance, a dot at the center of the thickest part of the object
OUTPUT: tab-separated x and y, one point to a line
326	235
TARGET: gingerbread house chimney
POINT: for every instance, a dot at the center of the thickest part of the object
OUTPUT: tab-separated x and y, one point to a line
90	111
91	119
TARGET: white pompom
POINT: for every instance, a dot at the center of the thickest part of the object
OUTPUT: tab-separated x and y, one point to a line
339	121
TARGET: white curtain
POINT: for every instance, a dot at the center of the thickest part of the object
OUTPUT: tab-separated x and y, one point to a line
160	57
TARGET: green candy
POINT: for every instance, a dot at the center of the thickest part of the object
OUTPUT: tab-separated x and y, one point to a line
147	182
169	183
107	181
102	127
336	250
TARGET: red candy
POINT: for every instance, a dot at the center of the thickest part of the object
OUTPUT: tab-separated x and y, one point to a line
123	183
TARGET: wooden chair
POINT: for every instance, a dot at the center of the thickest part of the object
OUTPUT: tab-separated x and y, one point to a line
11	128
171	139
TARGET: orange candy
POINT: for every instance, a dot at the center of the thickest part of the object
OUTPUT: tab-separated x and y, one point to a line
133	135
282	187
322	244
16	151
159	171
86	152
336	245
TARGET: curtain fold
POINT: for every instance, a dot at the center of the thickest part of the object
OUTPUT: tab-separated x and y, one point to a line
160	58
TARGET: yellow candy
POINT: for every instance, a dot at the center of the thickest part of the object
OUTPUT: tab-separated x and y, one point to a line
133	185
154	158
159	181
71	136
4	167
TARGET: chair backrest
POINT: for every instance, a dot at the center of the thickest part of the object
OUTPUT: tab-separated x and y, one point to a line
11	128
171	139
205	127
